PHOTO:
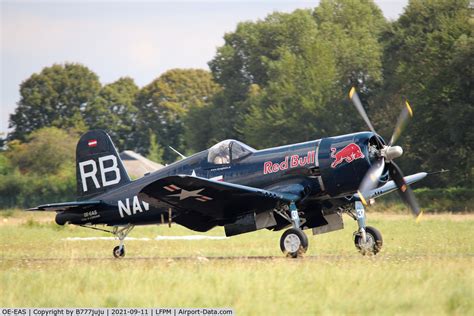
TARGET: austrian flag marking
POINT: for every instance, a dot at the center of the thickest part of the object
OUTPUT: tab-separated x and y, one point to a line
92	143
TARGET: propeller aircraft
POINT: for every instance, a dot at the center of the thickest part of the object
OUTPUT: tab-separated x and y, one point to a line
295	187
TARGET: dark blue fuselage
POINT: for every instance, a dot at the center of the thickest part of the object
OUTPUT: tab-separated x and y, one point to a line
308	169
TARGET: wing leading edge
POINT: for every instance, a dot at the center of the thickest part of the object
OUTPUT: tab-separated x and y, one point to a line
66	206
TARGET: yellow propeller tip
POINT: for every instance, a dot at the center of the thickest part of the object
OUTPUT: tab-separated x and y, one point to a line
362	199
410	111
418	218
351	93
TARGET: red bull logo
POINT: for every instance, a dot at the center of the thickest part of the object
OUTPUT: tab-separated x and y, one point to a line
349	153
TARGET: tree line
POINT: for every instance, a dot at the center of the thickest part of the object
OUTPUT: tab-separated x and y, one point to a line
280	80
70	97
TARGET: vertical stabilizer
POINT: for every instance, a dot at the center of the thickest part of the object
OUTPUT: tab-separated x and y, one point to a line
98	165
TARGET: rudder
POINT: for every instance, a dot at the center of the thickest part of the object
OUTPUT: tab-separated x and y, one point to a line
98	165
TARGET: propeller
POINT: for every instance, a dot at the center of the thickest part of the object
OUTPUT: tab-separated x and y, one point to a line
402	121
355	99
387	153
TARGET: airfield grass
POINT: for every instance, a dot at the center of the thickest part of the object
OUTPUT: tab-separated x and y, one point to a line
423	269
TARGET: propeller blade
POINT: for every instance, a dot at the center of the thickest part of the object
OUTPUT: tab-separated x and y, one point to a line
402	121
404	190
355	99
371	179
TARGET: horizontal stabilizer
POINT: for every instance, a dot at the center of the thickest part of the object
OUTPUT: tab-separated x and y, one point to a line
66	206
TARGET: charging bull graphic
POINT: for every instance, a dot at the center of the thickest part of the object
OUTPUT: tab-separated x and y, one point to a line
349	153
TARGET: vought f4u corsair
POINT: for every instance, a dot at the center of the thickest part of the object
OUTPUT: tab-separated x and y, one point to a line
300	186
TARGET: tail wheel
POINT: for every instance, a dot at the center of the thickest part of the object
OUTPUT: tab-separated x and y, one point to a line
119	253
294	243
372	245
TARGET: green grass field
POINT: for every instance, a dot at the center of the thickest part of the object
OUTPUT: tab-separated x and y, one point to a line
423	269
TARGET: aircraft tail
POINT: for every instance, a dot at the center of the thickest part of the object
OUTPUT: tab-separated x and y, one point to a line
98	165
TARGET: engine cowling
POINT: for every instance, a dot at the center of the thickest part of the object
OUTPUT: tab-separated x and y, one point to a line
344	160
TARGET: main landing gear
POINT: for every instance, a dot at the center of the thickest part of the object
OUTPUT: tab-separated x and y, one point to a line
293	242
121	233
372	244
368	240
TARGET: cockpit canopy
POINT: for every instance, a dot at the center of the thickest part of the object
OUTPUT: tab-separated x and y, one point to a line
228	151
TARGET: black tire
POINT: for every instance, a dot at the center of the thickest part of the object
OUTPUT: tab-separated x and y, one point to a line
294	243
119	253
374	239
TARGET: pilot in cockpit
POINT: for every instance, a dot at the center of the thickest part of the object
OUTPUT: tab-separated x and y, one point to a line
222	155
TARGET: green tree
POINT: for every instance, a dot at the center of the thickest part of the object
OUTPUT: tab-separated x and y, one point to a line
155	153
39	170
163	104
353	30
428	60
294	105
54	97
45	151
286	78
245	58
5	164
200	127
113	110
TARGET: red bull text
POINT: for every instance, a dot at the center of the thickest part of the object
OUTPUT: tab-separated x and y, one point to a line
292	161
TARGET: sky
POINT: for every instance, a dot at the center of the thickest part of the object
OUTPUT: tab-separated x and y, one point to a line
140	39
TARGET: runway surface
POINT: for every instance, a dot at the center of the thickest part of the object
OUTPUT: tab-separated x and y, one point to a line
252	258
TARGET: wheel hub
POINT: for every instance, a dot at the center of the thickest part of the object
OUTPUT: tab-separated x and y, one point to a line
292	243
368	244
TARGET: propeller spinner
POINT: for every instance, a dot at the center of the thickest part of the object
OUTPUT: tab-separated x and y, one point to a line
387	154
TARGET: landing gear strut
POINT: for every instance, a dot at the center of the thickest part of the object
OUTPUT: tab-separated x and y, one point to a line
121	233
367	239
294	241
